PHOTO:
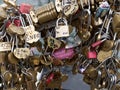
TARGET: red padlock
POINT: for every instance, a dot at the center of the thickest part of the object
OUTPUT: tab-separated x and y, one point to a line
50	78
25	8
92	54
8	23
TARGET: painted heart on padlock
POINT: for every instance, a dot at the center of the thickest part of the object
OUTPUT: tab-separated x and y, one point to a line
63	53
17	22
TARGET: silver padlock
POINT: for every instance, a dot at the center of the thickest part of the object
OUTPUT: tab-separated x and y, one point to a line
62	30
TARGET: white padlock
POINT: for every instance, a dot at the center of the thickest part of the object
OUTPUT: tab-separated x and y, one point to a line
58	5
63	30
70	7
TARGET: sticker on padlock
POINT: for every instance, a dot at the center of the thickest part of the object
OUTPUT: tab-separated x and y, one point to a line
63	30
32	36
5	46
22	53
102	9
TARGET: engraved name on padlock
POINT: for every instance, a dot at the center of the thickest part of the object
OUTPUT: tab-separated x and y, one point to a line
22	53
33	36
5	46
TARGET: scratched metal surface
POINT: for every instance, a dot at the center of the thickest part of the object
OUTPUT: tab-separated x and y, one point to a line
75	81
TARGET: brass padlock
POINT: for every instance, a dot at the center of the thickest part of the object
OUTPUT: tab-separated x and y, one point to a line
35	60
107	45
103	55
12	59
116	22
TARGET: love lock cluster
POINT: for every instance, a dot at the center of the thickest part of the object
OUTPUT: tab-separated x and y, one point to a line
37	42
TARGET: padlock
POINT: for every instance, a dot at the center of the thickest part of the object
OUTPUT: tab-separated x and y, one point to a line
63	53
107	45
58	5
30	85
2	55
17	22
6	45
53	43
49	78
98	43
46	13
33	16
63	30
35	60
102	10
25	8
3	15
103	55
13	29
73	40
10	2
92	54
30	34
22	53
12	59
115	22
70	8
46	60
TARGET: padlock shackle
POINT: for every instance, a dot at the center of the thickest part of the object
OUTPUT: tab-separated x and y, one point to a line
81	1
63	19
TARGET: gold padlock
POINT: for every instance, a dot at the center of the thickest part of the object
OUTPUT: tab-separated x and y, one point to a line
116	22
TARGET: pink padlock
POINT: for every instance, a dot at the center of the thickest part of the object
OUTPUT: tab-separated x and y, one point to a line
92	54
98	43
25	8
63	53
